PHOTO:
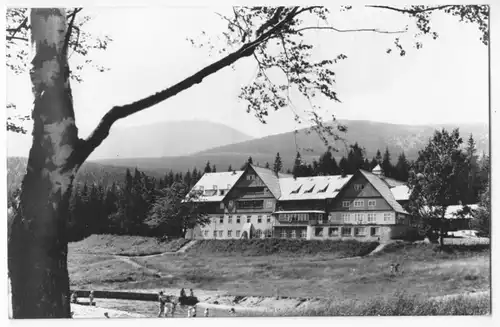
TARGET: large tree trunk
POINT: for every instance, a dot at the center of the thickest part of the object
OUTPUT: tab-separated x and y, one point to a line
37	244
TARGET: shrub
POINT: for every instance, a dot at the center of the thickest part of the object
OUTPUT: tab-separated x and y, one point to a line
259	247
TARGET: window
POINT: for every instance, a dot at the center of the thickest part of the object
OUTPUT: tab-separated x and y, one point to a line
206	233
346	231
220	233
249	218
283	233
360	231
323	190
268	219
215	234
372	203
371	217
345	204
269	204
259	219
375	231
303	233
258	233
221	192
251	204
230	219
345	217
250	177
222	205
359	203
318	231
297	190
310	190
269	233
387	216
238	220
359	218
221	220
333	231
229	233
358	187
237	233
294	234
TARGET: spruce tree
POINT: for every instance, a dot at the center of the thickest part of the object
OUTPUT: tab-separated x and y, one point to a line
387	167
278	164
208	169
402	168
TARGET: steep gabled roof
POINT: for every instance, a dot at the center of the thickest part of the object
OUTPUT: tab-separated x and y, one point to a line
383	189
223	181
323	187
270	179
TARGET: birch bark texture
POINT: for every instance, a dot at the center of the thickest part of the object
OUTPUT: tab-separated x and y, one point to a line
37	245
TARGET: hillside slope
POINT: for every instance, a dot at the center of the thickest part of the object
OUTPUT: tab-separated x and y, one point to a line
163	139
371	135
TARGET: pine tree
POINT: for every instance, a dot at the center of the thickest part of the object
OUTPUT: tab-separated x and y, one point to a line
214	169
268	166
300	169
278	164
373	163
387	167
188	179
355	158
250	161
208	169
344	166
402	168
473	184
230	168
378	158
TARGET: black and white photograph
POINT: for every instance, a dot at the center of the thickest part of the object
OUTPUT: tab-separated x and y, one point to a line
248	161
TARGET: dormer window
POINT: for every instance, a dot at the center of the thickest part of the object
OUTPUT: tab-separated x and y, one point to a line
310	190
323	190
221	192
215	187
297	190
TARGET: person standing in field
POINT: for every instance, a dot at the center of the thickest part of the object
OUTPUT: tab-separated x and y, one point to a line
162	301
191	292
207	313
183	293
91	298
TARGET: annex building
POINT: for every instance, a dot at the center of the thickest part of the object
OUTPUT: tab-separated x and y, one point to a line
257	203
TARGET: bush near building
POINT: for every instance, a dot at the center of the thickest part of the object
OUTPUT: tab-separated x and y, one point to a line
259	247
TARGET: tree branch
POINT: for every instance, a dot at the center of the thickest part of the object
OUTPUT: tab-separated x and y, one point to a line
350	30
17	29
69	30
409	11
118	112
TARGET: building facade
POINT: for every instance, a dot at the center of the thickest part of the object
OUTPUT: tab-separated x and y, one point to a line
257	203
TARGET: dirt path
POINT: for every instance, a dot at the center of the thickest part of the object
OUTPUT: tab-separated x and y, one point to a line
130	259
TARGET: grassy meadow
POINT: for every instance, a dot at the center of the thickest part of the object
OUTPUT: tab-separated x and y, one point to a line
341	274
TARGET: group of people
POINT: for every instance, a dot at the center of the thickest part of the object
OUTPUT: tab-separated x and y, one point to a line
168	305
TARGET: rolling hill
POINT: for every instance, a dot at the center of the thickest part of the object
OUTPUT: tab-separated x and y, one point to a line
370	135
163	139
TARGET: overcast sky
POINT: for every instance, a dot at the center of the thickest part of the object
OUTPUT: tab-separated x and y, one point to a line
444	82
